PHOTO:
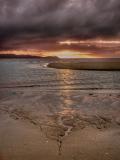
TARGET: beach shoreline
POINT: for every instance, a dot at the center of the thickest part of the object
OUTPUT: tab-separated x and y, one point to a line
104	66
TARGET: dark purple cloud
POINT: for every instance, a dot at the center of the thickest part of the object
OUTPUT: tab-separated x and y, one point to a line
43	19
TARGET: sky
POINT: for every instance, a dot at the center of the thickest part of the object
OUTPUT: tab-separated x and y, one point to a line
64	28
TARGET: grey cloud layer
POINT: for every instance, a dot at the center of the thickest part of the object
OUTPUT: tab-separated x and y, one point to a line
59	18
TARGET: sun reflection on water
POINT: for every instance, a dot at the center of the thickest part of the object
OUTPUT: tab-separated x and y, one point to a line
65	91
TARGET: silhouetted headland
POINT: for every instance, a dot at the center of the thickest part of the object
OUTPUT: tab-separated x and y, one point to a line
5	56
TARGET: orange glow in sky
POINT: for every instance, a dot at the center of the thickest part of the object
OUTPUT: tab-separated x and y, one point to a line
71	49
69	54
60	54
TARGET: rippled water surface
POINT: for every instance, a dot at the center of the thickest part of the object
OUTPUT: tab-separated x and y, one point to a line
34	73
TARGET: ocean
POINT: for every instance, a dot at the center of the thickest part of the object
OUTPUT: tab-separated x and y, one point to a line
17	73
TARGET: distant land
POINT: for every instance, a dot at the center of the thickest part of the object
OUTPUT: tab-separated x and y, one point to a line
88	64
2	56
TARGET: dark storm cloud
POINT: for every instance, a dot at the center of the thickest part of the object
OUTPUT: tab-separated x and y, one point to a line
33	19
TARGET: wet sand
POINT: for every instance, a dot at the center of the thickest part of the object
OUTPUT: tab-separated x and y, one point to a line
64	125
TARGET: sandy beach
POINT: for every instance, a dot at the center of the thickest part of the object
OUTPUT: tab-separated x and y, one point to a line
86	65
55	116
34	126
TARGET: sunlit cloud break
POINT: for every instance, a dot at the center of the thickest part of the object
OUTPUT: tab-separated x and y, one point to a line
70	42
